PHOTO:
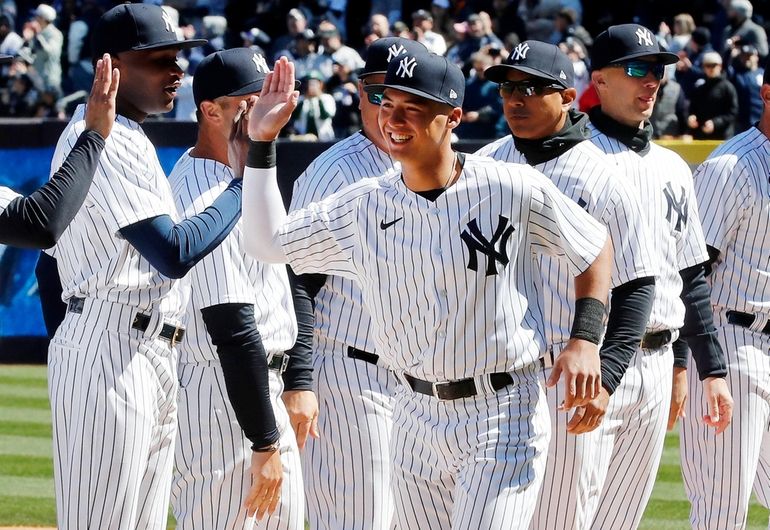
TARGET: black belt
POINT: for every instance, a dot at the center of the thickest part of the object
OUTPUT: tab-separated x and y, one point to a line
279	362
745	320
654	341
171	333
462	388
361	355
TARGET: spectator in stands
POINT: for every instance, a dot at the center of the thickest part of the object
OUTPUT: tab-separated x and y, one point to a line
344	89
689	69
576	51
315	109
400	29
506	19
742	30
296	23
306	58
684	25
714	103
81	71
566	25
670	112
10	41
20	97
45	42
422	26
333	48
379	26
475	37
746	76
481	107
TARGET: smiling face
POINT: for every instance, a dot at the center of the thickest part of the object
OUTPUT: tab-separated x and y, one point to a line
415	128
535	116
149	80
628	100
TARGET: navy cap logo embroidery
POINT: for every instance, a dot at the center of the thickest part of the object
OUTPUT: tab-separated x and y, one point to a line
520	52
562	75
260	63
167	20
643	34
452	94
395	50
406	68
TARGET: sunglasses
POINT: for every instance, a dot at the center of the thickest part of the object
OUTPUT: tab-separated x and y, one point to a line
639	69
375	98
527	88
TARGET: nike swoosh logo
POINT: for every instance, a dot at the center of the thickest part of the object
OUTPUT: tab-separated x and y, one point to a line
385	225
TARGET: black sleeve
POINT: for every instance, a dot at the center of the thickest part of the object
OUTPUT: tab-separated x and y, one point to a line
50	289
299	372
713	256
698	329
630	307
39	220
234	333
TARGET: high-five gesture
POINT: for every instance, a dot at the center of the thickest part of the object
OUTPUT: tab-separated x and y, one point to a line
275	104
100	110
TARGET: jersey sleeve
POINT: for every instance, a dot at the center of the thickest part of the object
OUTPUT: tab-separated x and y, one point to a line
559	227
321	179
722	192
6	196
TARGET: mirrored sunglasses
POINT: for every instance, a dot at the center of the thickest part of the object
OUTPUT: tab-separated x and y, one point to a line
375	98
527	88
639	69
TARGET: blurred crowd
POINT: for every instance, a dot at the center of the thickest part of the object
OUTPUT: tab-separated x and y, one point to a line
711	93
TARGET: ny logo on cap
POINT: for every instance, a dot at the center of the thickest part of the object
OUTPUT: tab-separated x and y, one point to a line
643	34
406	68
395	50
260	63
520	52
167	20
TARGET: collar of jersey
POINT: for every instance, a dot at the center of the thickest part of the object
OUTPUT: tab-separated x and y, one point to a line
638	140
542	150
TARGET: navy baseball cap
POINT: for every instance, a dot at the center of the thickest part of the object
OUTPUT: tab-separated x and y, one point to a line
129	27
536	58
426	75
382	51
233	72
625	42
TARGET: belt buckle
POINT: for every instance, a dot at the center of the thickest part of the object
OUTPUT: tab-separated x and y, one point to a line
284	363
435	388
176	337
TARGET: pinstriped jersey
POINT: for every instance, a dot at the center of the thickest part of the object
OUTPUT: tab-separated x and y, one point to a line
733	190
583	176
6	196
129	186
339	312
664	184
227	275
449	283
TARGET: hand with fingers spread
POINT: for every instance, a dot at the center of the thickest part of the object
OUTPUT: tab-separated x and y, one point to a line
579	365
588	417
274	105
678	396
302	406
720	403
238	143
100	110
267	477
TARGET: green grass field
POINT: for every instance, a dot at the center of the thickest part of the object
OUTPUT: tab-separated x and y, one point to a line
26	470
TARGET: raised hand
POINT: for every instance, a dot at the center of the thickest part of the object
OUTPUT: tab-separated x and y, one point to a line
238	143
100	109
275	104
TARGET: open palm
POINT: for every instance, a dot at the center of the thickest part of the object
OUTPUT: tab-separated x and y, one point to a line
275	104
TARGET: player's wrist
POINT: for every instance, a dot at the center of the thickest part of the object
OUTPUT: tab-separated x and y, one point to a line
269	448
261	155
588	323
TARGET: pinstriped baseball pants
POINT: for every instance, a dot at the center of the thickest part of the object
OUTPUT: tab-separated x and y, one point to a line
721	470
113	399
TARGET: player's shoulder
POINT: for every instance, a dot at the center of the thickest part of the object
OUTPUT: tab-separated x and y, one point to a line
496	149
745	152
486	171
345	156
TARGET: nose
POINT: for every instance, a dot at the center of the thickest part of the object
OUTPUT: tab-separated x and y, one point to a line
515	99
396	116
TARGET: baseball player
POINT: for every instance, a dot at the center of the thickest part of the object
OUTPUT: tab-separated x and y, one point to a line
627	68
235	441
444	251
351	488
112	362
37	221
537	87
733	193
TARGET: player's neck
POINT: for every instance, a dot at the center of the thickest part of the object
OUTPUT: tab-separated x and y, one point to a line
210	146
431	173
764	124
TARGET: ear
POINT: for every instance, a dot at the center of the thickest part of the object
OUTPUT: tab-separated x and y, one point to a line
568	97
454	117
211	111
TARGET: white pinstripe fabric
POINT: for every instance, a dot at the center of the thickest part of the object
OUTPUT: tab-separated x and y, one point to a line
733	191
6	196
213	457
351	488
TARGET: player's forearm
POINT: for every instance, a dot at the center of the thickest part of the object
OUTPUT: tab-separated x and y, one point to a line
263	209
233	331
698	329
594	282
39	220
630	307
299	372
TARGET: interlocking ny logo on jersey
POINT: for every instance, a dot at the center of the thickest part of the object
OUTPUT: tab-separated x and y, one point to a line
643	34
406	67
493	249
260	63
167	20
676	206
520	52
395	50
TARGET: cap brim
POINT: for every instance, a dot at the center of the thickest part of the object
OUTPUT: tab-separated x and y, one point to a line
5	59
662	57
499	73
182	44
362	75
409	90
